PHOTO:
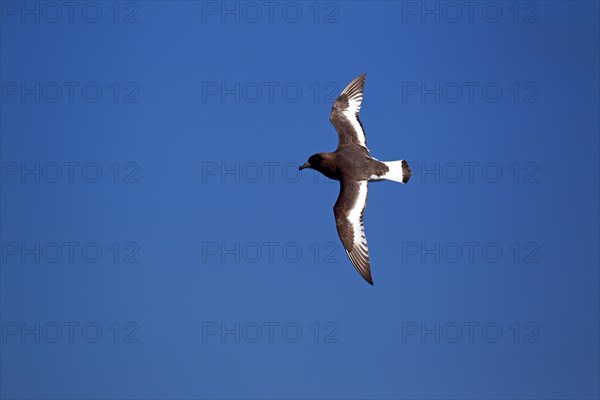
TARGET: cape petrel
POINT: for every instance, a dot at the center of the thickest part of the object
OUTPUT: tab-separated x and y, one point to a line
352	165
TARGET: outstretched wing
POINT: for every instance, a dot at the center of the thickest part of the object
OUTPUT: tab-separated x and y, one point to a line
349	211
344	114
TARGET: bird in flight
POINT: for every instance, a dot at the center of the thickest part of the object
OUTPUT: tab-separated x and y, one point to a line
352	165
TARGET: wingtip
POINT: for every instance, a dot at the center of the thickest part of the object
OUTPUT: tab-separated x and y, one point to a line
363	269
354	89
368	277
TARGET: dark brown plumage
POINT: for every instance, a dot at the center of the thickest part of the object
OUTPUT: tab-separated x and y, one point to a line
352	165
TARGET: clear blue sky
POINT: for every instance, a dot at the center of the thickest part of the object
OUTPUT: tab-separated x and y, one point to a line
157	239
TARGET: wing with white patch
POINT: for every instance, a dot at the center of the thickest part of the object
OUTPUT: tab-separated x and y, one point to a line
344	114
349	212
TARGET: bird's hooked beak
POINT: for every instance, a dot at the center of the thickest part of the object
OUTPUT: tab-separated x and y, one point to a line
305	165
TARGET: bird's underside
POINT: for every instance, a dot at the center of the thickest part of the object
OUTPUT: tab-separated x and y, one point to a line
354	167
350	206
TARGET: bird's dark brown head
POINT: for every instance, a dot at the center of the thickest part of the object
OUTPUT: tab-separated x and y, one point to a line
315	161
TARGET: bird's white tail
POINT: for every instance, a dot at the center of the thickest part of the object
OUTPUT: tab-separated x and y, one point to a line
399	171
